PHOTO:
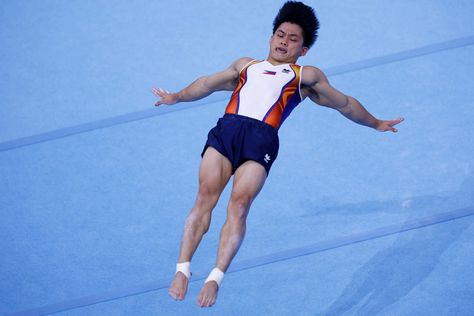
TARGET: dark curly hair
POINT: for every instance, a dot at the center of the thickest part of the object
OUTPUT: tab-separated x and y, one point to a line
302	15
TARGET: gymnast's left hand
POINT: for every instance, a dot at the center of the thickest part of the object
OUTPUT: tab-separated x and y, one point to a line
388	125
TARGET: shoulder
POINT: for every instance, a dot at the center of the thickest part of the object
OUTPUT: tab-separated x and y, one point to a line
240	63
311	75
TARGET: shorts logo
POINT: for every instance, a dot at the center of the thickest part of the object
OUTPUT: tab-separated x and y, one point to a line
267	158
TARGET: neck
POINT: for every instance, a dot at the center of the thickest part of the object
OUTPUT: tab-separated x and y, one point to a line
275	62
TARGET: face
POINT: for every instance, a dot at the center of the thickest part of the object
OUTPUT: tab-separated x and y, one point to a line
286	45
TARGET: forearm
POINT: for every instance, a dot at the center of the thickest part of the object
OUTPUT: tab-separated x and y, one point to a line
356	112
195	91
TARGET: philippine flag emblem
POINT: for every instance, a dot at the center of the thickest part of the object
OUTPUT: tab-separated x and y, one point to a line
268	72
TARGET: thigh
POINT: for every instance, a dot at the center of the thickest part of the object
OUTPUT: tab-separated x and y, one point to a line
249	179
214	172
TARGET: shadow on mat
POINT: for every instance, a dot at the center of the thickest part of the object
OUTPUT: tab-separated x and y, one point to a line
395	271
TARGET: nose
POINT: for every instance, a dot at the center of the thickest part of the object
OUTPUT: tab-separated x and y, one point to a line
283	42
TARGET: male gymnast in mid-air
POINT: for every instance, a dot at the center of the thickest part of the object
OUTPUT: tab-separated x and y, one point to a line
244	143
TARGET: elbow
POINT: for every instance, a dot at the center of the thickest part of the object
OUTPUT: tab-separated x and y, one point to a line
345	107
205	84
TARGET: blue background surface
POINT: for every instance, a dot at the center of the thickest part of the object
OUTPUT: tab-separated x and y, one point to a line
95	183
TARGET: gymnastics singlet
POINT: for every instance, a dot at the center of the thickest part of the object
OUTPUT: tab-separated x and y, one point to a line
267	93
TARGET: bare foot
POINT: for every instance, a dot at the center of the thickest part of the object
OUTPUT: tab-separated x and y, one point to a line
208	295
179	287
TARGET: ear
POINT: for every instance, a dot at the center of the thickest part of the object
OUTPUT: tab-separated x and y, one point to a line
304	51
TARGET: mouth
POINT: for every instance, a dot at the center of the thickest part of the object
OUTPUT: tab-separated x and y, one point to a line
281	50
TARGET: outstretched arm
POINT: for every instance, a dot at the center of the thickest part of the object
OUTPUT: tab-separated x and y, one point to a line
316	86
202	87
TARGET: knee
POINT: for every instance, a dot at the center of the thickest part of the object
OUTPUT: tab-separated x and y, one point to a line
206	199
200	216
239	209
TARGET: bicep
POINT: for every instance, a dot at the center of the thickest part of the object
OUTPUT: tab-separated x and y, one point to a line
227	79
329	96
224	80
320	91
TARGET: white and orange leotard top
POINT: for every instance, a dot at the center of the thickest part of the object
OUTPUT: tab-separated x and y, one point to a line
267	93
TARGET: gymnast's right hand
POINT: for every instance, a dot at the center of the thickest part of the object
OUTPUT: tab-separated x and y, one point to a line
165	96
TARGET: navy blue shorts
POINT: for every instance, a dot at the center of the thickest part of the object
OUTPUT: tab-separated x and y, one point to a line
241	138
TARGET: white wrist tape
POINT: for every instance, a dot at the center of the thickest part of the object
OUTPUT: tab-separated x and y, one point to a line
184	268
215	275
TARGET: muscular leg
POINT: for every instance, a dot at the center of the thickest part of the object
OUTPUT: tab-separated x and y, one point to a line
248	181
214	173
